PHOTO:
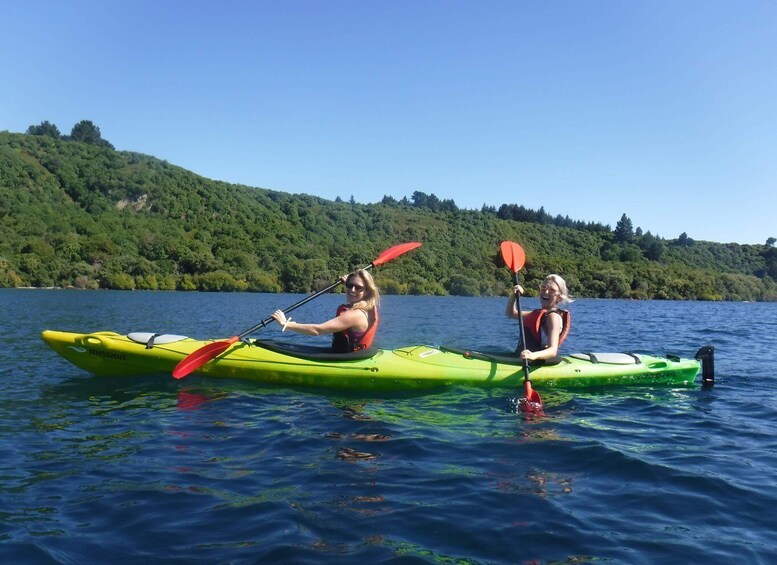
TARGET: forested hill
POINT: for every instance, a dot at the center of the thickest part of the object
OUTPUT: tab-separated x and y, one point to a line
81	214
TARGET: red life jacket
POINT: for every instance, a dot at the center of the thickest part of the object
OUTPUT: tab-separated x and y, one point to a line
350	340
532	323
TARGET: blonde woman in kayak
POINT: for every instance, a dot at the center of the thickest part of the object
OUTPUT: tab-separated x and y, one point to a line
355	323
547	326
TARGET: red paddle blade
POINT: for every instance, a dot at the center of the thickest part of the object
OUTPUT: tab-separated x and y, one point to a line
531	402
198	358
394	252
531	394
513	255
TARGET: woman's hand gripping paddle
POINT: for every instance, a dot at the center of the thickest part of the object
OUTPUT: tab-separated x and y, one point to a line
514	257
198	358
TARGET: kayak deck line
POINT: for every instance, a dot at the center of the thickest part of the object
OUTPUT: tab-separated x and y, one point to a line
410	367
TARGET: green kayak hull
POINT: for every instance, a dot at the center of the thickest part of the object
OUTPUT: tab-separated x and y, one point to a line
406	368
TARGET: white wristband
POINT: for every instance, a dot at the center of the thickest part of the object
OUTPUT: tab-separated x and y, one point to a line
283	329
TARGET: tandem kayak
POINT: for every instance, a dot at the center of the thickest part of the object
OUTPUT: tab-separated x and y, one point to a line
405	368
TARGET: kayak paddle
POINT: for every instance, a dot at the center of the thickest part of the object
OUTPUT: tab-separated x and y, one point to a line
514	257
198	358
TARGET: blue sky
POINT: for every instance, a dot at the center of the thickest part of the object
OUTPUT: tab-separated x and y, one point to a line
663	110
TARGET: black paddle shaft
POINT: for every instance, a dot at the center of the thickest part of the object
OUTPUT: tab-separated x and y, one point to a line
302	302
521	328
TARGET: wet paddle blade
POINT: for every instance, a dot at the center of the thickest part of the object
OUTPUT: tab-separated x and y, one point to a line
531	403
531	394
513	255
530	407
198	358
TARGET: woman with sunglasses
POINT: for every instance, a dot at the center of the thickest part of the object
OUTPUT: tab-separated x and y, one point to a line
355	322
547	326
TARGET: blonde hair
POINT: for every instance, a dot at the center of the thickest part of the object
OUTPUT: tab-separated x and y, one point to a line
371	295
562	288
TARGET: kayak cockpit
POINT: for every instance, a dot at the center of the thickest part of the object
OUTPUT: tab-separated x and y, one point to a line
501	357
313	352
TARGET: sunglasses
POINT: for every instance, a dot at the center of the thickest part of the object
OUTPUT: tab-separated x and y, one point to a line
353	286
548	290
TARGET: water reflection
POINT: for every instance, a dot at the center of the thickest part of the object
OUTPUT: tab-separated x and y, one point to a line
194	399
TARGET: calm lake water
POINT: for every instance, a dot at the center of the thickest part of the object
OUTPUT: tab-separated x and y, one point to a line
144	470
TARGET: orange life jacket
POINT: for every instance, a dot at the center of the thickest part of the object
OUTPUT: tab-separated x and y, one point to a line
350	340
532	323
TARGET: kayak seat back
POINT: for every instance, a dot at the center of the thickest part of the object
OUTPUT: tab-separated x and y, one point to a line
315	353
